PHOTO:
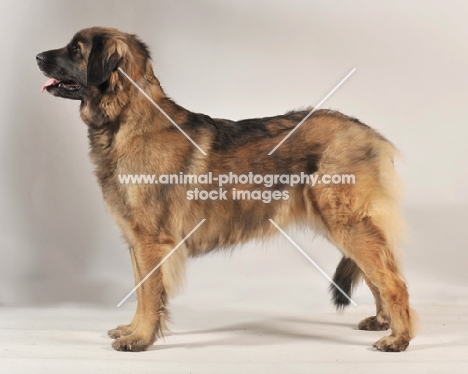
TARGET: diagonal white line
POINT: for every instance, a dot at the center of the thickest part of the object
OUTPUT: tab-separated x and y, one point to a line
162	111
312	111
162	262
312	262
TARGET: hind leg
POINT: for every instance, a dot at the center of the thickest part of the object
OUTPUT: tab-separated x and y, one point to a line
394	293
381	320
366	245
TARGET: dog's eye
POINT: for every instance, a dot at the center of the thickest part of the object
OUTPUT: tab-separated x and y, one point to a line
76	47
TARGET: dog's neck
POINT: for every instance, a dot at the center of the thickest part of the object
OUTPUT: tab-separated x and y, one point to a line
105	103
106	112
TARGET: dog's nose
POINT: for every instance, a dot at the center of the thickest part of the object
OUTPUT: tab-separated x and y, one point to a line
40	57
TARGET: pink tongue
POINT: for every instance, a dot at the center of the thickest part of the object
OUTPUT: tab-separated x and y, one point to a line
50	82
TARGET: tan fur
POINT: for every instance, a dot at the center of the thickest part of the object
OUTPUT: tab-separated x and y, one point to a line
129	135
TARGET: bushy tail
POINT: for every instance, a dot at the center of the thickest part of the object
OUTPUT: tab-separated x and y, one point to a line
347	276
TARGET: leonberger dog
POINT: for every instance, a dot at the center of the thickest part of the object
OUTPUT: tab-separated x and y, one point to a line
135	129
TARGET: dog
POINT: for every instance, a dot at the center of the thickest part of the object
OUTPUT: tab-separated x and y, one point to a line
135	129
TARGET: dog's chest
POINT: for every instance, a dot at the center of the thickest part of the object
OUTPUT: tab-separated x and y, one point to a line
127	165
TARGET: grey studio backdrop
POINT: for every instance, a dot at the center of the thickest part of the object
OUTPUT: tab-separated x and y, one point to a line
236	59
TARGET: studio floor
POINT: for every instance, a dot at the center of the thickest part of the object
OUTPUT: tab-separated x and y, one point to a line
237	339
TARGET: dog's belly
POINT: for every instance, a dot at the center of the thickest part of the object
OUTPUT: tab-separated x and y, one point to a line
233	222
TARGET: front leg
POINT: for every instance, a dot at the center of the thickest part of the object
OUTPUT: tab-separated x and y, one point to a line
124	330
152	313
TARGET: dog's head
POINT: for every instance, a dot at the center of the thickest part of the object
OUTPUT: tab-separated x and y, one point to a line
90	61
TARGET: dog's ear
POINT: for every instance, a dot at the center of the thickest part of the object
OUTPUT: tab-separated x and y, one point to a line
102	61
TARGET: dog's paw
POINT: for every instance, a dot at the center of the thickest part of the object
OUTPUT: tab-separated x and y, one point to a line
391	344
120	331
373	324
132	343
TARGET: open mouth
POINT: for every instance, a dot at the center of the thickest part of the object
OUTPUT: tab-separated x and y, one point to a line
65	84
